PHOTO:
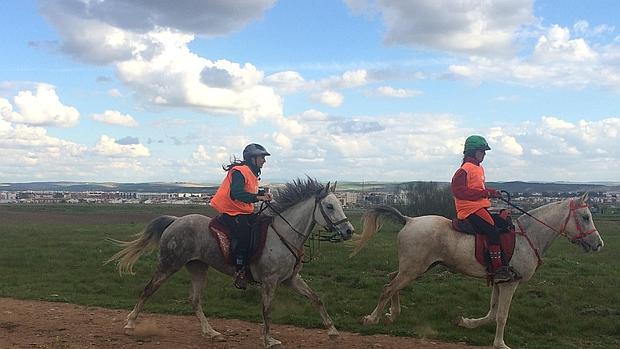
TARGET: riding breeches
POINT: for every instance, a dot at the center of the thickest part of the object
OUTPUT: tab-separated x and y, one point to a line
240	229
483	223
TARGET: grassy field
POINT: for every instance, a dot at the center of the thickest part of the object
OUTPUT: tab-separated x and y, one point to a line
572	302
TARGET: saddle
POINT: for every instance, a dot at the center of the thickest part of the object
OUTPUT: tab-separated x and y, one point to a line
506	228
258	236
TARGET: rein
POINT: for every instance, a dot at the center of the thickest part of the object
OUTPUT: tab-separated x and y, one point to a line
298	253
573	207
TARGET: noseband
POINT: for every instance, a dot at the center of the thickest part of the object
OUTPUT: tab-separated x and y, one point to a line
581	233
331	226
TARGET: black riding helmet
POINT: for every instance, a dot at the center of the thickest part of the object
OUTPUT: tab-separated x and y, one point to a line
253	150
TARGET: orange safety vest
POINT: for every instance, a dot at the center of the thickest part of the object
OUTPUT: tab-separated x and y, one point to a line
223	203
475	180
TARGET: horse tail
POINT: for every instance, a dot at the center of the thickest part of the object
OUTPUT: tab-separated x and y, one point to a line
147	240
371	222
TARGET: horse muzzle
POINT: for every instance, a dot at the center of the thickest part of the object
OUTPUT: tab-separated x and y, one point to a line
345	230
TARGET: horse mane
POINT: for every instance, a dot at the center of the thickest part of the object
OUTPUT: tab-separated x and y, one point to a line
295	192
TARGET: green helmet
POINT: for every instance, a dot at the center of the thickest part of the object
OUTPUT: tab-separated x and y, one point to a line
475	142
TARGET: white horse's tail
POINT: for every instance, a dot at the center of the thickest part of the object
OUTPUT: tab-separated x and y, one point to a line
371	223
148	240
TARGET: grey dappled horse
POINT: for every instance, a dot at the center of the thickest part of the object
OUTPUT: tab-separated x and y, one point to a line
186	241
429	240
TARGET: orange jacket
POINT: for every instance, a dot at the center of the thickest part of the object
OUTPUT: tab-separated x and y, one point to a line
223	203
475	181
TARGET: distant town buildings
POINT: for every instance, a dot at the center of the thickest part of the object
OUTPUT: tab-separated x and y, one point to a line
349	199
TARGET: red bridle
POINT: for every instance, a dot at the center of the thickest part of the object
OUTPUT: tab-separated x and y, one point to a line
573	207
573	212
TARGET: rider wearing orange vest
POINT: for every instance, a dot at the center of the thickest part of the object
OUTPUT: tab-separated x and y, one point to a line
472	198
234	200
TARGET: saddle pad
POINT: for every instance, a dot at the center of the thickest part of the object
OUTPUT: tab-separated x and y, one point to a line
506	236
507	241
221	233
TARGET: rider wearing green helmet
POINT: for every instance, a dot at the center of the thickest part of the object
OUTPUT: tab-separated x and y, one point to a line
472	200
475	142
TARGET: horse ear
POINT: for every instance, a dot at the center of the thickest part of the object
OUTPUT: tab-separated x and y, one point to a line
584	198
334	187
326	189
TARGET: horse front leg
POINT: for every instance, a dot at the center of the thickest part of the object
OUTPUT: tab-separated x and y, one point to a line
267	291
198	272
506	291
298	284
473	323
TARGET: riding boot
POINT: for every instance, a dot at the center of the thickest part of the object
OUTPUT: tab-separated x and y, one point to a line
501	272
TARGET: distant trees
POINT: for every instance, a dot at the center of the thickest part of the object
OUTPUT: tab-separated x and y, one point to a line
424	198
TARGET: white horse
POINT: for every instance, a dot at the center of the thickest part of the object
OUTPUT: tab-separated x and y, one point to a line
186	242
430	240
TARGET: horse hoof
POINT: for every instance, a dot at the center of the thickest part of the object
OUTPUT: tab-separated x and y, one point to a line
129	328
388	319
273	343
217	337
333	333
368	320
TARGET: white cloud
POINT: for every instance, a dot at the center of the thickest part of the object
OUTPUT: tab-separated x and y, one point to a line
557	45
152	57
286	81
554	123
200	154
107	146
474	27
330	98
174	77
113	117
582	27
388	91
40	108
557	60
348	79
114	93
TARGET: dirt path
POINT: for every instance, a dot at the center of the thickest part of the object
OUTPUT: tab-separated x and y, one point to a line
35	324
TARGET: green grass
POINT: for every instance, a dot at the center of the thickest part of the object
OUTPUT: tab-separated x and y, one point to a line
572	302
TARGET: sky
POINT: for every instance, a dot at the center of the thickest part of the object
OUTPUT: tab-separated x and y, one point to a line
348	90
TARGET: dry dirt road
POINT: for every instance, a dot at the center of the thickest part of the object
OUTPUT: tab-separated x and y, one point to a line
36	324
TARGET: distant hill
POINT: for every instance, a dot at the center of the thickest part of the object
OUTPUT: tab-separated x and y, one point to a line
512	187
528	187
156	187
162	187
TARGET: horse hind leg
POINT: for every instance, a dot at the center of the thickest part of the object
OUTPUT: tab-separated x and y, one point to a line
298	284
489	317
198	273
390	291
159	277
394	303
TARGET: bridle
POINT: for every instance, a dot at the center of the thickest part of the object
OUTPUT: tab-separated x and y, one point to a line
298	253
581	233
573	207
331	226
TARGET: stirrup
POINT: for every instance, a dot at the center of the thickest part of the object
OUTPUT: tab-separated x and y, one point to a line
241	280
504	274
